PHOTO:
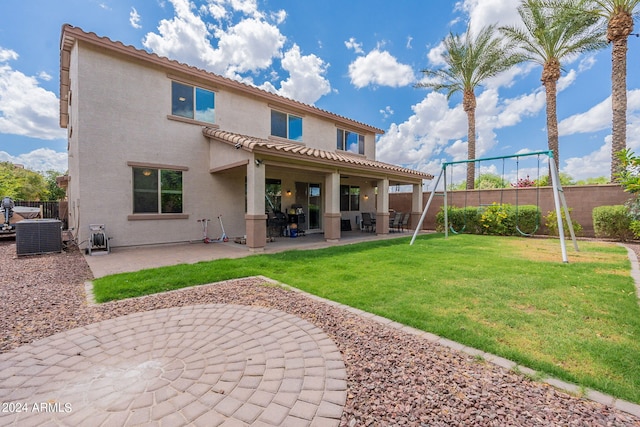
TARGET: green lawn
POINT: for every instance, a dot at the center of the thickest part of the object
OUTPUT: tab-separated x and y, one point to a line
513	297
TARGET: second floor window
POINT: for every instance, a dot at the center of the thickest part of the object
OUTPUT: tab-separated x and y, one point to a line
192	102
286	125
350	141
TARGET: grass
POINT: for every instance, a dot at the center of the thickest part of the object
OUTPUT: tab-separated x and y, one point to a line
512	297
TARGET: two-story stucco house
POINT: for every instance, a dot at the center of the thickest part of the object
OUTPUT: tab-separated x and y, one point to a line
155	145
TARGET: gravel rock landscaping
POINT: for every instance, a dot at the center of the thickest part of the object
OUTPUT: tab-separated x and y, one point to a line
394	377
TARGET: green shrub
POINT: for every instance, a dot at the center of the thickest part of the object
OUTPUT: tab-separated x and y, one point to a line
527	219
551	222
612	222
495	219
498	219
634	226
461	220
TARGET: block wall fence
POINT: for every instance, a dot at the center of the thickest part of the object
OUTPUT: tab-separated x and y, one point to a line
581	199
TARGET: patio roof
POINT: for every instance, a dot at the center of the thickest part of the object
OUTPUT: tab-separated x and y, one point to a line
302	152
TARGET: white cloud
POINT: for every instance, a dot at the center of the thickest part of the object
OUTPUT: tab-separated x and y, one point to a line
436	55
353	44
134	18
409	40
387	112
515	109
597	117
26	108
487	12
595	164
43	75
248	7
41	159
7	55
279	17
380	68
567	80
184	37
249	46
587	63
424	135
598	162
306	82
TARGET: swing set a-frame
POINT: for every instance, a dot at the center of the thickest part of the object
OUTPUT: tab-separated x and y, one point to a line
558	198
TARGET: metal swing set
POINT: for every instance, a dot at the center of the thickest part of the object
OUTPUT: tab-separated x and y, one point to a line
558	198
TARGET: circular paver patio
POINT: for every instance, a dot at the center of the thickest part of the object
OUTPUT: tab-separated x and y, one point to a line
204	365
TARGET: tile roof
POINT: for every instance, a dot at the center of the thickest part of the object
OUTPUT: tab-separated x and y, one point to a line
293	149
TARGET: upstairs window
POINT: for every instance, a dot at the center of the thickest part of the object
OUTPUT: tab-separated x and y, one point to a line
192	102
350	141
286	125
157	191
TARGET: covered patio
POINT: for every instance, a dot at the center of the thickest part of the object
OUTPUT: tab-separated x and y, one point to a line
330	189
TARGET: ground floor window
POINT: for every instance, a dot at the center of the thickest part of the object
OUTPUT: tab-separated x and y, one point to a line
349	198
157	191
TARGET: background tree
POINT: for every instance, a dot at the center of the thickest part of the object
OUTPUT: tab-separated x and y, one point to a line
619	15
469	62
54	193
23	184
554	31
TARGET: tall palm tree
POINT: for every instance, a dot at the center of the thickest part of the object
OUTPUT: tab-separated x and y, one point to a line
470	60
619	15
554	30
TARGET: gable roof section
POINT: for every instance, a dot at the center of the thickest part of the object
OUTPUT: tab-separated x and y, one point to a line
70	35
302	152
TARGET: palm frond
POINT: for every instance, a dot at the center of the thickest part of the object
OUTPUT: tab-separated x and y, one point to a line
556	30
470	60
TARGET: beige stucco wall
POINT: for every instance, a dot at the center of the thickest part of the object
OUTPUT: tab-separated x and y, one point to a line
73	189
119	114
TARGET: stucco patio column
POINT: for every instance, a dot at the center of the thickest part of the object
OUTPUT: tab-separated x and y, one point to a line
416	205
332	207
382	207
255	218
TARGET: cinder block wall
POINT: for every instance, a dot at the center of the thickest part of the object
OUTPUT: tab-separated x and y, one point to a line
581	199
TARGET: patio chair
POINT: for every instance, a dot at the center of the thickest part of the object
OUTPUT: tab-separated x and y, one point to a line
396	222
367	223
405	221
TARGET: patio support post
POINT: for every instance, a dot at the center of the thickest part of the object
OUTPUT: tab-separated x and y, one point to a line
332	207
382	208
255	218
416	204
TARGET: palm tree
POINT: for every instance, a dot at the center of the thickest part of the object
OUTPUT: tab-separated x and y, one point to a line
619	15
470	61
554	31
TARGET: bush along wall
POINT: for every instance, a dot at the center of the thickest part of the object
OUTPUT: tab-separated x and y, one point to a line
496	219
612	222
551	222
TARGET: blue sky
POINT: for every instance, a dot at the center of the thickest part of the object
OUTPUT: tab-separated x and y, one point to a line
356	58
